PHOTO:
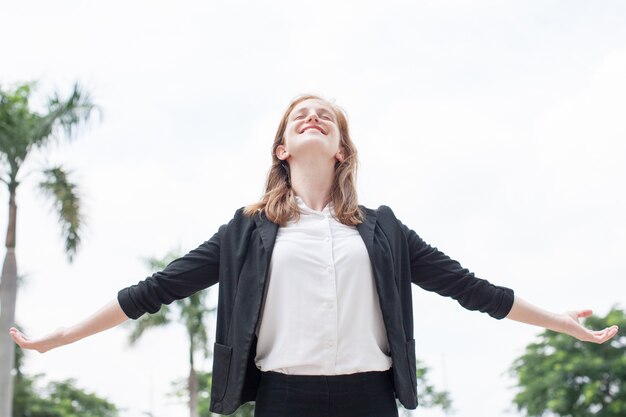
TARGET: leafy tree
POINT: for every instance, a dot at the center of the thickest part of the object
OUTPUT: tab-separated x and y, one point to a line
562	376
192	313
23	130
57	399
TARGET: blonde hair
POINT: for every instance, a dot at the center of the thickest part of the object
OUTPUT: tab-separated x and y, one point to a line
279	202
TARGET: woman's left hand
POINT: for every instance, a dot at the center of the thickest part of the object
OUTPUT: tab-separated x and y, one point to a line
568	322
573	327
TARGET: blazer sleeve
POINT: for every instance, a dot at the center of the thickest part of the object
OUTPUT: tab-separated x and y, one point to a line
433	270
181	278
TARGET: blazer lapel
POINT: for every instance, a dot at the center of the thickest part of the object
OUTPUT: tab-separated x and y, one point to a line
267	231
385	292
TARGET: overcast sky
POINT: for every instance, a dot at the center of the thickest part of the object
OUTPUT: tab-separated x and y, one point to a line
495	129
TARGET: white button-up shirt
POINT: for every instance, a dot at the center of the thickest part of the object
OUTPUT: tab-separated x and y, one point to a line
321	314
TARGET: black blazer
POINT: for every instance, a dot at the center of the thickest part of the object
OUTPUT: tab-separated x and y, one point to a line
238	256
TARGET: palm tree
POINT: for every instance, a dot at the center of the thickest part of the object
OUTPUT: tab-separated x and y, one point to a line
192	313
22	131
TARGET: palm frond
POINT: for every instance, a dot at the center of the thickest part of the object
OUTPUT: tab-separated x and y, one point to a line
64	116
66	203
17	123
22	128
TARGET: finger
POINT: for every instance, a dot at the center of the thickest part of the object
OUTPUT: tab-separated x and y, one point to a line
612	330
15	335
607	329
584	313
604	338
605	335
21	340
18	338
19	335
596	334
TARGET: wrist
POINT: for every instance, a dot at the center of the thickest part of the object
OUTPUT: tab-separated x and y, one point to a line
561	322
66	335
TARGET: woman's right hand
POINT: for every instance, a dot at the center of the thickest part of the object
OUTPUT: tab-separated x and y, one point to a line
41	345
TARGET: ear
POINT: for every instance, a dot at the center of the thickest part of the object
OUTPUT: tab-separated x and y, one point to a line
339	156
281	152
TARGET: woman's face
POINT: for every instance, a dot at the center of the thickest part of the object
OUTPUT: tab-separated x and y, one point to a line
311	129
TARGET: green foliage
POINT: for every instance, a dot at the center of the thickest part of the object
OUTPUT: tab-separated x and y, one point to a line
67	205
560	375
17	124
23	129
56	399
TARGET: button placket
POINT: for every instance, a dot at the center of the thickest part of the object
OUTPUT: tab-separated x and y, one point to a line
331	302
328	317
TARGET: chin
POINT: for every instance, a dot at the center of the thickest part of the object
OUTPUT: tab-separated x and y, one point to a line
314	144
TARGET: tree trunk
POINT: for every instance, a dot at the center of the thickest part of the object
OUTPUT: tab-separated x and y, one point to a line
193	387
8	295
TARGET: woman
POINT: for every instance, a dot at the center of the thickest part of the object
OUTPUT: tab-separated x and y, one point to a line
314	309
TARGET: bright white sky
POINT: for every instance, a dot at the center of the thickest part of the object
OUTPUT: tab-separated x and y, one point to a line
495	129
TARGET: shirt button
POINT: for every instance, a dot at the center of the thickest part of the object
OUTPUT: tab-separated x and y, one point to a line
326	239
329	268
329	304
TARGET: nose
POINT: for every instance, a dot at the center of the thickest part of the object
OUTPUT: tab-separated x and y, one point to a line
313	116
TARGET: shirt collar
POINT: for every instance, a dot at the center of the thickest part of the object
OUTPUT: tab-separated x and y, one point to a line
327	211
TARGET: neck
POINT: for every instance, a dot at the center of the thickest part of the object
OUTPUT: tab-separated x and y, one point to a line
312	181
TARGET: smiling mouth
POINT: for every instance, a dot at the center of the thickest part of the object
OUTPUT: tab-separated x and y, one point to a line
314	128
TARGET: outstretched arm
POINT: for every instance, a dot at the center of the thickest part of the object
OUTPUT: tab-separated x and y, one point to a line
567	322
110	315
